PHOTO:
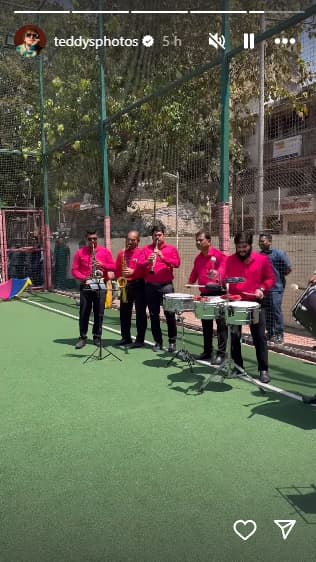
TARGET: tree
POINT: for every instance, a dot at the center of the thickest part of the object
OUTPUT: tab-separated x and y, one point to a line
178	131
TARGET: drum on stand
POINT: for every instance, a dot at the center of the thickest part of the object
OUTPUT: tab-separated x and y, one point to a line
208	308
178	302
304	310
241	313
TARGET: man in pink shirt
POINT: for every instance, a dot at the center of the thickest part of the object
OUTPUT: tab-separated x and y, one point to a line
208	269
257	272
158	260
128	268
85	259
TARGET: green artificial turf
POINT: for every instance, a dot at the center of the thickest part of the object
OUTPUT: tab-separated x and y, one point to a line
112	460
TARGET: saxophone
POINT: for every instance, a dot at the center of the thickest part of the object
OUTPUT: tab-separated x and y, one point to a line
122	281
152	269
96	273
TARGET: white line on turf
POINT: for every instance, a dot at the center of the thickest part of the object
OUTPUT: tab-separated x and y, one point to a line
204	363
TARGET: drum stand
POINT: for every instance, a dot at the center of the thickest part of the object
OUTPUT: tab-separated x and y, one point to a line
229	369
100	346
183	353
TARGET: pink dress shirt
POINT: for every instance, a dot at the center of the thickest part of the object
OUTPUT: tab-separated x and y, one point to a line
132	261
163	271
203	265
256	270
82	262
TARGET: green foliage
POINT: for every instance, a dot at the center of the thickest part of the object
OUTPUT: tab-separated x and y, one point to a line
179	131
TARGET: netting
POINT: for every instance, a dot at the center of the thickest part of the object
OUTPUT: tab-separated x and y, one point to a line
164	152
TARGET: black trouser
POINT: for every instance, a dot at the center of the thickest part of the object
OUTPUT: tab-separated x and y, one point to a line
208	336
88	299
135	292
154	297
259	341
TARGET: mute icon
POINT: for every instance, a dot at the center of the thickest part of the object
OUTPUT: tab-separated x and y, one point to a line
216	41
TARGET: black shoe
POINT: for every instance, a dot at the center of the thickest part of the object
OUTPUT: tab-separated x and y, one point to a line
96	340
81	343
172	347
264	377
123	342
218	360
157	347
279	339
137	344
204	356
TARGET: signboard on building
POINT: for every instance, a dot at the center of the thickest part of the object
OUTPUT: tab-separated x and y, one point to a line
287	148
293	205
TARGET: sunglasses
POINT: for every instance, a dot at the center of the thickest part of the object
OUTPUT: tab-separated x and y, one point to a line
33	35
92	238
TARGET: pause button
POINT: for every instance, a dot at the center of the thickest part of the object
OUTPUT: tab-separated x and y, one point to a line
249	40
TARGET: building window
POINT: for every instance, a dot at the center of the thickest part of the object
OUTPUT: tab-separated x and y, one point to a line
286	124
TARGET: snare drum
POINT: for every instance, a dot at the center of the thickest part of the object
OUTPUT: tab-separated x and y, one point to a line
178	302
208	308
242	312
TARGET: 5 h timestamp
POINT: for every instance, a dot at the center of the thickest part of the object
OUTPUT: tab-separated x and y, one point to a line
171	41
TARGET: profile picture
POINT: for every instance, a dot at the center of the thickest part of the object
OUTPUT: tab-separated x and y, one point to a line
29	40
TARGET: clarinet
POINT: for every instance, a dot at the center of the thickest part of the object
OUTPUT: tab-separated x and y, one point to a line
152	269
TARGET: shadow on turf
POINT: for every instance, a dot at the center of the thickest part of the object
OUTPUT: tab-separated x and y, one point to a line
279	375
186	376
302	499
72	342
287	410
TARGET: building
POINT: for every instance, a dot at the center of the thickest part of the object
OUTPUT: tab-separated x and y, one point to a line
289	171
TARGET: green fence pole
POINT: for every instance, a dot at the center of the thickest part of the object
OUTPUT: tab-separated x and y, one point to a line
223	205
46	234
103	139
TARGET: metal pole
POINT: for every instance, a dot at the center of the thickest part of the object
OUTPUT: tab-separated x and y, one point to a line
261	128
177	209
176	178
103	139
225	134
46	237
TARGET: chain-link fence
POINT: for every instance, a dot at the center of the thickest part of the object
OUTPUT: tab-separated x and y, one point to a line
163	128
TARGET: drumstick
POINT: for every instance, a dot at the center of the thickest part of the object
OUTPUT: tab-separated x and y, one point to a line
298	287
197	286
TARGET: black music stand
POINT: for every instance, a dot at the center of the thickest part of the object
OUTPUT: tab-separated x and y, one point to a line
99	285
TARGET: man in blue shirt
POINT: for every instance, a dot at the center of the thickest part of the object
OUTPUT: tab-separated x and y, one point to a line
273	302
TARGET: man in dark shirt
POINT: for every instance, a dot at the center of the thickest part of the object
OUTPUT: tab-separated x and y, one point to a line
311	399
273	301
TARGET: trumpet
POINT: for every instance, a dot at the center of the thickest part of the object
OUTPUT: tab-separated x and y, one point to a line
122	281
152	269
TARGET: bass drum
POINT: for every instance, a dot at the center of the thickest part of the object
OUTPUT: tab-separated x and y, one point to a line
304	310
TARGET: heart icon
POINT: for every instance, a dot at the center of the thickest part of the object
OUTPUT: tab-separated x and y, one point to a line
246	528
